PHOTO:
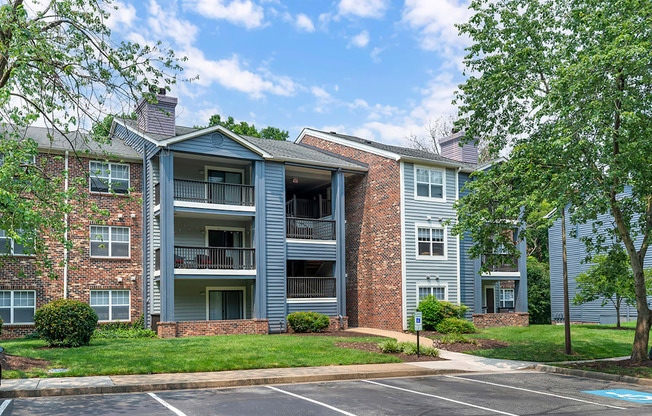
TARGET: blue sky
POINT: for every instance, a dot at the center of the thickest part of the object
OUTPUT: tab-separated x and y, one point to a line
379	69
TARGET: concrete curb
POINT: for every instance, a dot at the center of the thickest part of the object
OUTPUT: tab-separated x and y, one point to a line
243	382
591	374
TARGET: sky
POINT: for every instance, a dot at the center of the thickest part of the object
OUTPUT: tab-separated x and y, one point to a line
378	69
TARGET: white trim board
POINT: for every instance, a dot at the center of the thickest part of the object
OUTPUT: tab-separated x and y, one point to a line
220	207
311	300
306	241
214	272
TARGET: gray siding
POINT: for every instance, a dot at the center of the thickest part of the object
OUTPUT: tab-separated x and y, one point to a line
192	231
467	269
190	297
204	145
311	251
156	297
416	212
329	308
275	244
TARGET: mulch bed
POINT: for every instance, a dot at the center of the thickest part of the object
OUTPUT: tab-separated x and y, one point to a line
334	334
373	347
14	362
485	344
600	365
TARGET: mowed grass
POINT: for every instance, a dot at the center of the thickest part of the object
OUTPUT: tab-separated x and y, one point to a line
216	353
545	343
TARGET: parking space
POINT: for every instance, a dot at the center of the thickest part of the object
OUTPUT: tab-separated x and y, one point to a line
518	393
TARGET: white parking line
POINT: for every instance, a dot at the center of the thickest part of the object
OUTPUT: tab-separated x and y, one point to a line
168	405
4	405
440	398
312	401
537	392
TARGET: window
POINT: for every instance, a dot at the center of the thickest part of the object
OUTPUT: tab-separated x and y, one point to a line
9	246
110	241
430	183
111	305
437	291
506	298
431	242
107	177
17	306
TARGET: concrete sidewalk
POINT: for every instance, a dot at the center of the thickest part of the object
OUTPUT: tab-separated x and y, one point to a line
455	361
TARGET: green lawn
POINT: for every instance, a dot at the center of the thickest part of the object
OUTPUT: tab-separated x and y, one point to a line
545	343
235	352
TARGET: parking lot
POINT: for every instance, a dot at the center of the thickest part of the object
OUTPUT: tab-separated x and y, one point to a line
518	393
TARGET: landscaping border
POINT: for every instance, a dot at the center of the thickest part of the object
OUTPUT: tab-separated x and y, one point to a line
591	374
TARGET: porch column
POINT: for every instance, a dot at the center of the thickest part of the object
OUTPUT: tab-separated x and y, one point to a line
477	286
260	304
337	195
521	285
166	165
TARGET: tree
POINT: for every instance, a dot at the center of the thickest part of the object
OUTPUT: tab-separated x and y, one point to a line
538	291
60	68
610	278
245	129
565	87
438	129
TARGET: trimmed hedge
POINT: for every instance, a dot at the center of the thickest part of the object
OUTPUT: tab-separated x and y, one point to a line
66	323
456	325
308	322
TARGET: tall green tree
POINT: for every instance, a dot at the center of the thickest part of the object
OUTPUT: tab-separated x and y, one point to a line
565	88
59	67
538	291
245	129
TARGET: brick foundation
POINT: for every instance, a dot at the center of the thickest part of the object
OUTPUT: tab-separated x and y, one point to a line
201	328
490	320
16	331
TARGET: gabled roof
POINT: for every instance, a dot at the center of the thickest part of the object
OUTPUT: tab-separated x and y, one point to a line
51	140
276	150
386	150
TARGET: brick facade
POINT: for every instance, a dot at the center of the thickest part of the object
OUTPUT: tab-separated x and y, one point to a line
490	320
373	239
201	328
84	273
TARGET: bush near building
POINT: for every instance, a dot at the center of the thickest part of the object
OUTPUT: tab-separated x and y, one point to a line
66	323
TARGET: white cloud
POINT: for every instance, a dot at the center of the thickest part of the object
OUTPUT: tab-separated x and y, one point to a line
239	12
122	15
360	40
375	54
363	8
435	21
303	22
165	24
320	93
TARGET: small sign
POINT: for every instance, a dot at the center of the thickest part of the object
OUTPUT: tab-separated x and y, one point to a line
623	394
418	321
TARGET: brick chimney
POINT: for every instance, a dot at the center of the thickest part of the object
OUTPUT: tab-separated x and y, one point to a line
450	148
157	118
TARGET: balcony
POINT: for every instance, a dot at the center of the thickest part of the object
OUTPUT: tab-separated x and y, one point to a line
507	264
204	192
310	229
308	208
211	258
311	287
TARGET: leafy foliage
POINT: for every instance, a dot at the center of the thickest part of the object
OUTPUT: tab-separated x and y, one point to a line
308	322
245	129
456	337
389	346
434	311
538	291
455	325
105	333
66	323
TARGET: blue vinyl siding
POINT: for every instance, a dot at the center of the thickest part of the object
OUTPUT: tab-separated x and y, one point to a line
327	308
311	251
204	145
467	269
275	244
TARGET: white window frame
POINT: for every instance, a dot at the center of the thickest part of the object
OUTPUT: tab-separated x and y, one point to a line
110	305
12	249
12	307
431	286
416	241
443	184
109	181
501	298
108	243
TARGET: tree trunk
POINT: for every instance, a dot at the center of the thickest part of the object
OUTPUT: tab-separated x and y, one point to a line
618	313
642	335
564	256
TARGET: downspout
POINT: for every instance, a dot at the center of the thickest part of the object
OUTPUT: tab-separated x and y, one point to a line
459	251
65	232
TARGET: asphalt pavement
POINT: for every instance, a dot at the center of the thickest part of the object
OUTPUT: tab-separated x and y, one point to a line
513	393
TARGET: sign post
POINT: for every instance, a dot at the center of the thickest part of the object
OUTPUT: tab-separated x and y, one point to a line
418	326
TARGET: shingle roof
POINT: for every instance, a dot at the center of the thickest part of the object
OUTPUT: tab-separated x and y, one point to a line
49	139
180	130
401	151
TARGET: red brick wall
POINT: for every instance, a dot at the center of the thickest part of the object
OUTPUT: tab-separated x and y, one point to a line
200	328
490	320
84	273
373	239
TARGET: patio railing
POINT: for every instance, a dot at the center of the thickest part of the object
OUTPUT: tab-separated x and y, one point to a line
311	287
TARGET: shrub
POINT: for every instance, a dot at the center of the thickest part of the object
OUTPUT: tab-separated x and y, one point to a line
2	322
434	311
456	337
389	346
66	323
410	348
455	325
124	333
308	322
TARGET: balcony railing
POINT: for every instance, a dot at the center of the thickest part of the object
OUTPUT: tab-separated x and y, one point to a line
218	258
508	264
311	287
213	193
309	229
308	208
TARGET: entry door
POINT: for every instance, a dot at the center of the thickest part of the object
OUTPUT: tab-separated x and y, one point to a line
224	304
224	194
491	299
226	259
224	238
